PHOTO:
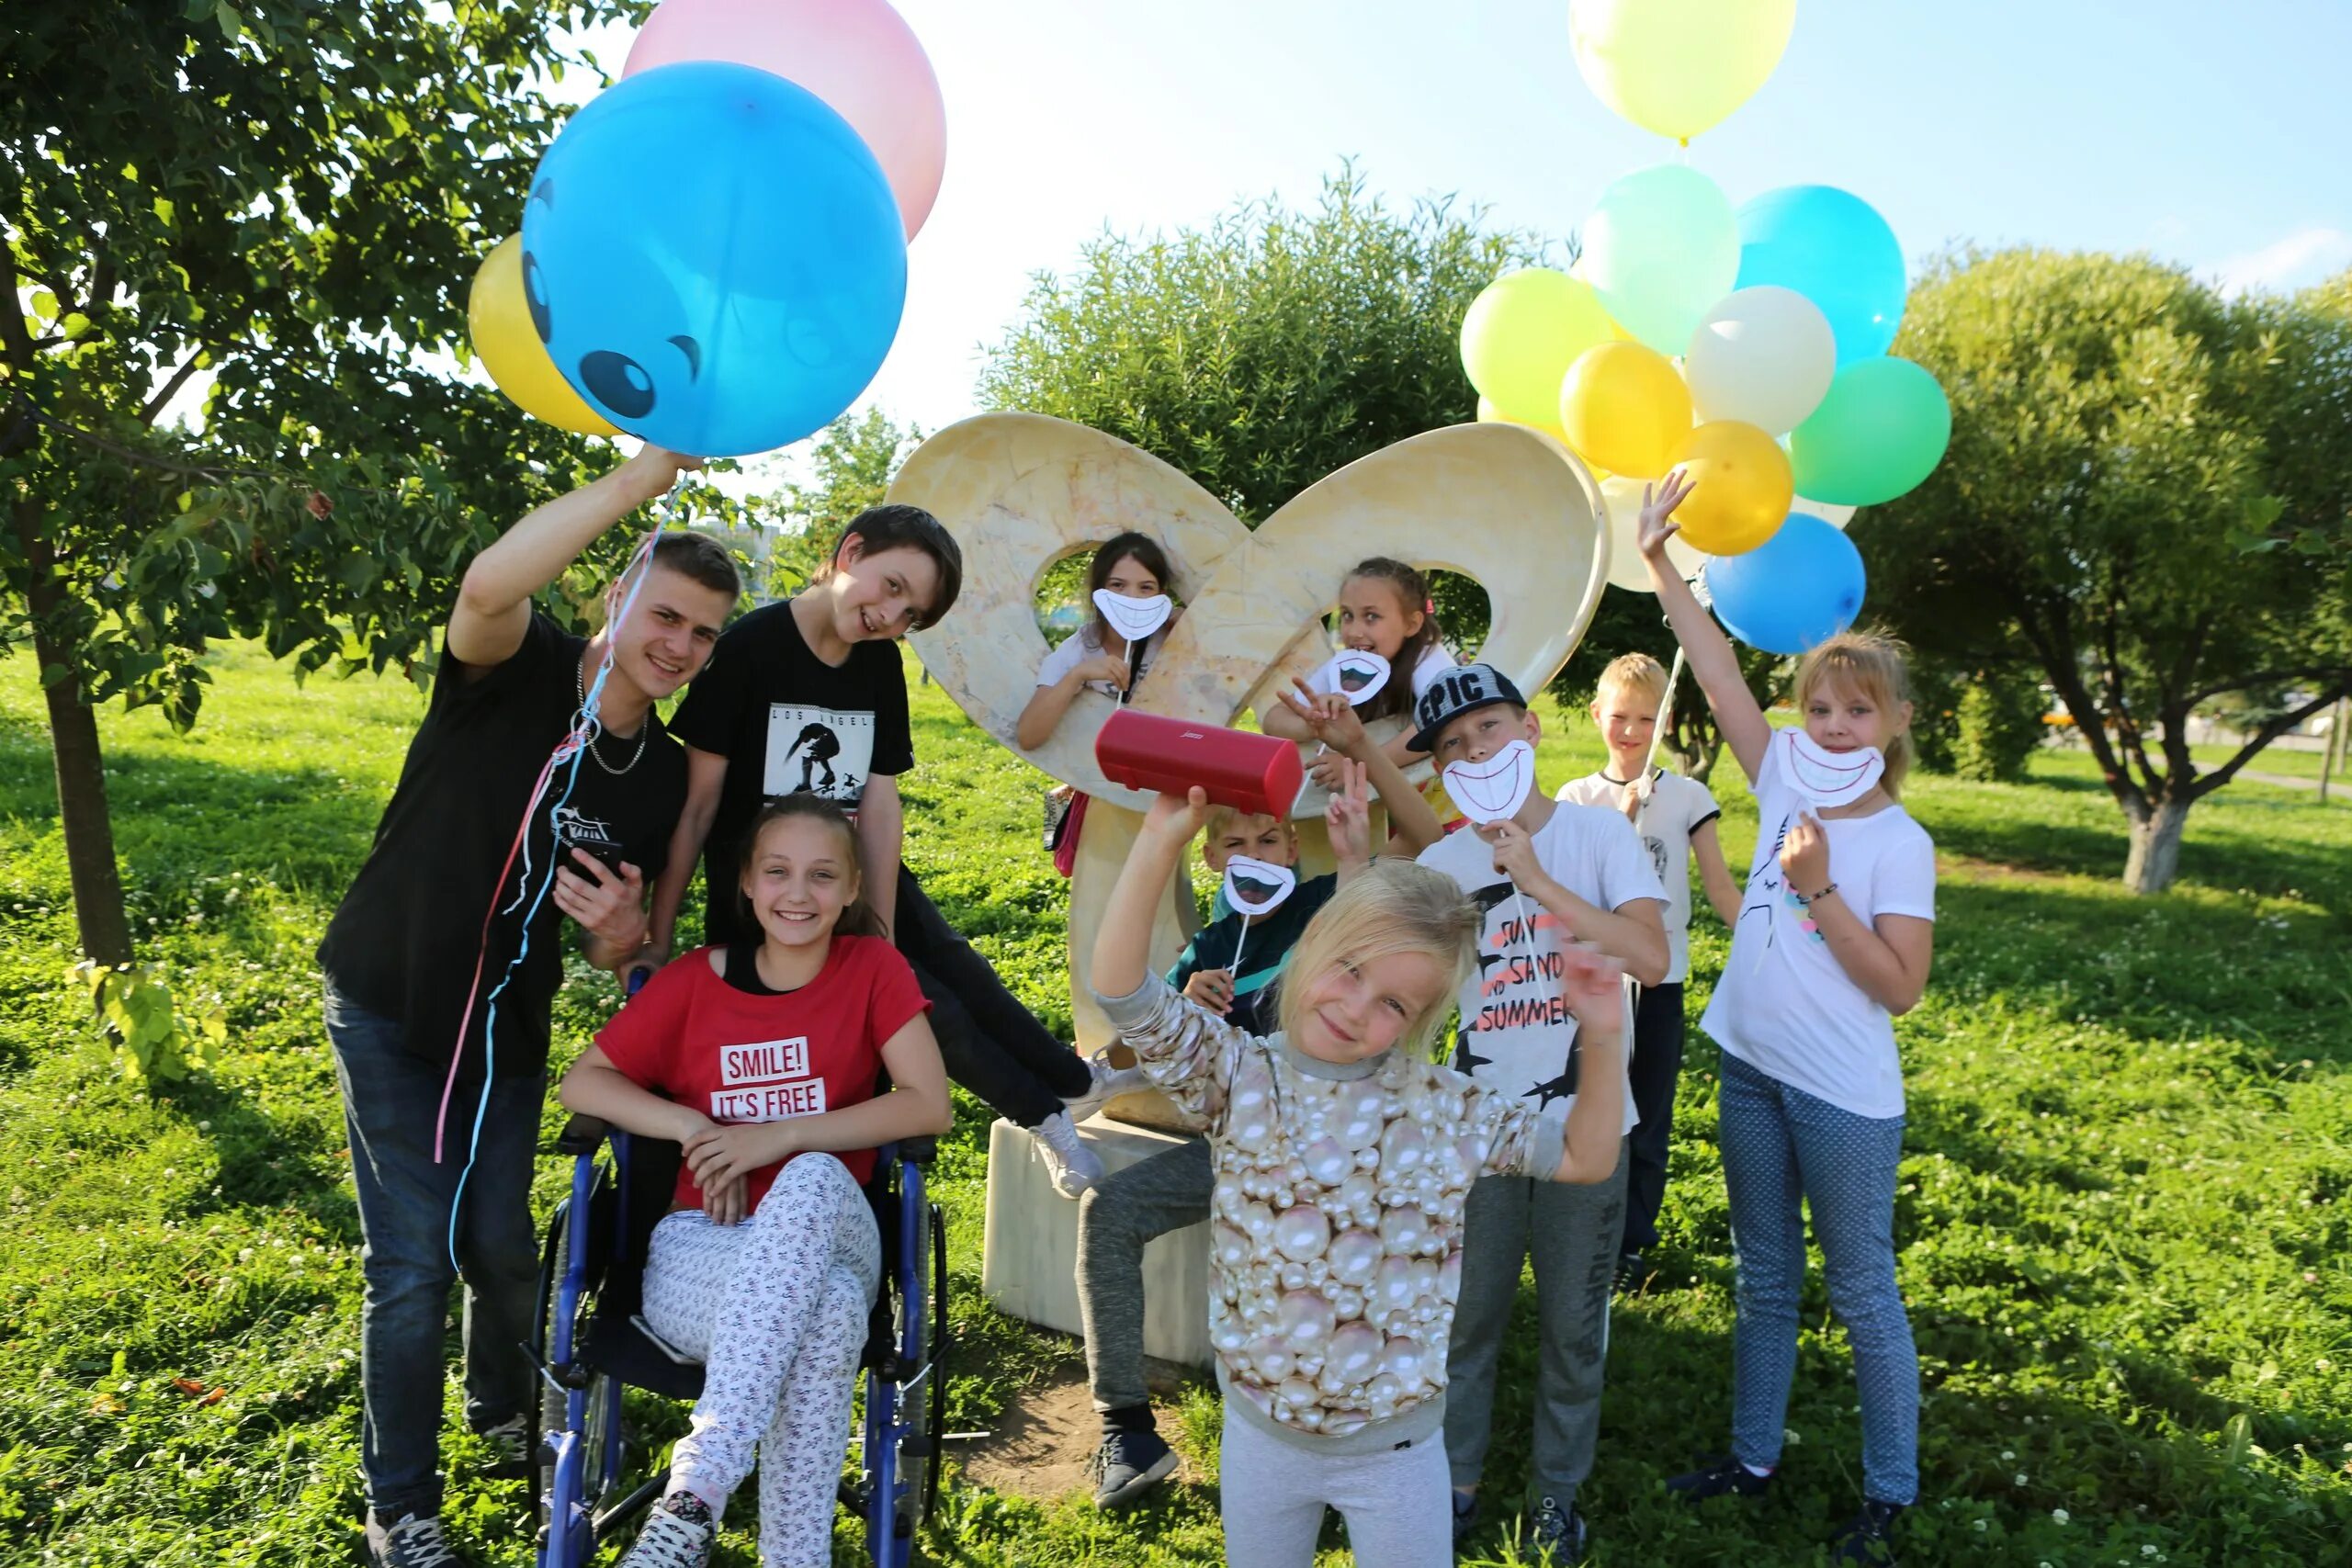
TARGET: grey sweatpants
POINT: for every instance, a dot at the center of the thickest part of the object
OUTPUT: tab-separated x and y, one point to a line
1124	1211
1273	1494
1572	1229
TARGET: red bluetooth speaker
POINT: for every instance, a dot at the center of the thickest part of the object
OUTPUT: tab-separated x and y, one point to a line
1249	772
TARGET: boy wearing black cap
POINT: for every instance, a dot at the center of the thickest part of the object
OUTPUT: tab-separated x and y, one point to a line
1545	874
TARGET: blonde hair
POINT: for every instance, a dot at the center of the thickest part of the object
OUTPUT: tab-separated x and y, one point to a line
1634	671
1393	906
1872	664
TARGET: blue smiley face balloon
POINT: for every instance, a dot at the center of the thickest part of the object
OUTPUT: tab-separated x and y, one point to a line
713	258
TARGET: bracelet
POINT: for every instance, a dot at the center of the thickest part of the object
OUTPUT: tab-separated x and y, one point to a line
1817	898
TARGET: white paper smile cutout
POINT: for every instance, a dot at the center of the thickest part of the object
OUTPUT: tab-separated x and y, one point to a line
1134	619
1257	887
1822	777
1492	790
1356	673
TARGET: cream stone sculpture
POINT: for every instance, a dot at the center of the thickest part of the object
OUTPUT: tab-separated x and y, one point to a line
1502	504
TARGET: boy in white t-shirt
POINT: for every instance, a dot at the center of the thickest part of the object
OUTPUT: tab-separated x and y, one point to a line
1676	819
1545	874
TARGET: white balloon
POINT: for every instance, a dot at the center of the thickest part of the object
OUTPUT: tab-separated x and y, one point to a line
1763	355
1626	567
1829	511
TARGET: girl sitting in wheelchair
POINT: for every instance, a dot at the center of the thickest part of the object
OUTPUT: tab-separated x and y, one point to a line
761	1060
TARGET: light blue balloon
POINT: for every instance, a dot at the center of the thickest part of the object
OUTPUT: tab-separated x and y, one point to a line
1795	591
1832	247
1660	248
713	258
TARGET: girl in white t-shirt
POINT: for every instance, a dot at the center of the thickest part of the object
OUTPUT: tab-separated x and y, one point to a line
1098	657
1834	938
1384	609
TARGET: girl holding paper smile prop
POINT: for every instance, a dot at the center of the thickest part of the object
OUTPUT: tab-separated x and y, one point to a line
1835	935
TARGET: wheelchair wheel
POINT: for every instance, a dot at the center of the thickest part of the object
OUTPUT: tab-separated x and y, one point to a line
584	1473
913	1328
935	1367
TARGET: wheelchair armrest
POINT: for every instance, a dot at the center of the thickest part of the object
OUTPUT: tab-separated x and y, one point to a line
922	1150
583	1135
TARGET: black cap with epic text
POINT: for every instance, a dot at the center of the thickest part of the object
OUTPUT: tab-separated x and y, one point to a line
1463	689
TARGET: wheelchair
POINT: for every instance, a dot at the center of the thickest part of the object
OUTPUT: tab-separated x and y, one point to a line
590	1344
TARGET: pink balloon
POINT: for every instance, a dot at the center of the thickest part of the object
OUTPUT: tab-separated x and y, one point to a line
858	56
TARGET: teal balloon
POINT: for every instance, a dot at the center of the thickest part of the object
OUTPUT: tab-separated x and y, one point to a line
1660	249
1793	592
1832	247
1882	429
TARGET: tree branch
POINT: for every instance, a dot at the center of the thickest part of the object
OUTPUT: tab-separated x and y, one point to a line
2053	643
215	472
2272	729
2127	726
2273	677
15	340
155	405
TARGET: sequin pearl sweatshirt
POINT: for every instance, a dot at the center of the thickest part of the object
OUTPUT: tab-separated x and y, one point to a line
1336	1220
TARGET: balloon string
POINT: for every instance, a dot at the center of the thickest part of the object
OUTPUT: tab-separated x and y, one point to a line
585	727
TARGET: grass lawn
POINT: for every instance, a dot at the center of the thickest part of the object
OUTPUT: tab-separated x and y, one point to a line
2123	1207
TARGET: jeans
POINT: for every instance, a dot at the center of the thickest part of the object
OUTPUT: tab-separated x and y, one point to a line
1657	1062
1126	1212
1570	1229
991	1044
1783	1147
390	1101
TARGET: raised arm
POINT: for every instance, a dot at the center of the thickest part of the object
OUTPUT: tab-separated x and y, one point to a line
1328	717
1123	942
1713	659
493	608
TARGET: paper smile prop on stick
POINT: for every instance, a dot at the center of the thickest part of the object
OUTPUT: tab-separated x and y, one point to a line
1495	789
1134	619
1357	674
1257	887
1822	777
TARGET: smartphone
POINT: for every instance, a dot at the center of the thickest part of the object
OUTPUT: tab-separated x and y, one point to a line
575	854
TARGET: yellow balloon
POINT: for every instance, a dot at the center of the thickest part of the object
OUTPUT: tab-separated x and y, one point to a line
1622	407
1742	487
1489	414
499	314
1677	66
1521	334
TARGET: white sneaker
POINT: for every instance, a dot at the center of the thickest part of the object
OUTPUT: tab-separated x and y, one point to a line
1073	1167
1105	1084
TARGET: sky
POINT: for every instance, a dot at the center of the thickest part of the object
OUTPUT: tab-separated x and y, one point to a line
2203	133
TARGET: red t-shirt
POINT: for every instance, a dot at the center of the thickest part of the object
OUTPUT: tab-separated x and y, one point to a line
692	1037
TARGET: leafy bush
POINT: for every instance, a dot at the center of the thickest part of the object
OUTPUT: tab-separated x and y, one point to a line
1999	725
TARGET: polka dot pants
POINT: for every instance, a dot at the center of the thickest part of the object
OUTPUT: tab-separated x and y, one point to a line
1783	1148
775	1309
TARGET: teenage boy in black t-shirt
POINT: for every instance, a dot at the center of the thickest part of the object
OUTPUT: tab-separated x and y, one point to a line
416	960
811	693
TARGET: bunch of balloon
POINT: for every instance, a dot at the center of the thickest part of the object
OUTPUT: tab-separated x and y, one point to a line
713	253
1746	345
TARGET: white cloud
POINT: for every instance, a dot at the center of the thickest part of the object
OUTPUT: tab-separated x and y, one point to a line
2305	257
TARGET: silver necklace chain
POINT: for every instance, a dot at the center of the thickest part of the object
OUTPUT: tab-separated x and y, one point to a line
579	684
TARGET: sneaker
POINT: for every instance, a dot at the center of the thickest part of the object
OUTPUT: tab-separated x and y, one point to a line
1465	1521
1632	1273
1073	1167
1106	1083
509	1445
1130	1464
1559	1533
1869	1535
677	1534
1722	1476
412	1542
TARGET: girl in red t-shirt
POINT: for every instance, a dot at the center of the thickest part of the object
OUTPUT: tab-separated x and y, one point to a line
761	1060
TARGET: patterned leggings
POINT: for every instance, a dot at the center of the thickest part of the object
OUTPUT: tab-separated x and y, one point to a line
1783	1146
775	1309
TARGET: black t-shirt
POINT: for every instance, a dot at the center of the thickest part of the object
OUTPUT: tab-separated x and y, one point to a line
405	940
1265	951
787	722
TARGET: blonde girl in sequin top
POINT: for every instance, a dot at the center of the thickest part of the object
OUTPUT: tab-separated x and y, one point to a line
1343	1155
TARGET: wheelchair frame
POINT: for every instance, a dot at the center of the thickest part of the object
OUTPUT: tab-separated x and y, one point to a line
578	1458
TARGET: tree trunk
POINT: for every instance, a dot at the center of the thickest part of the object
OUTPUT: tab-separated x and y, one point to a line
81	772
2155	847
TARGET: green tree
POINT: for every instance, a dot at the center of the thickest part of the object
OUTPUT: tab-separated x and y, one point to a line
2146	499
289	199
1274	345
852	465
